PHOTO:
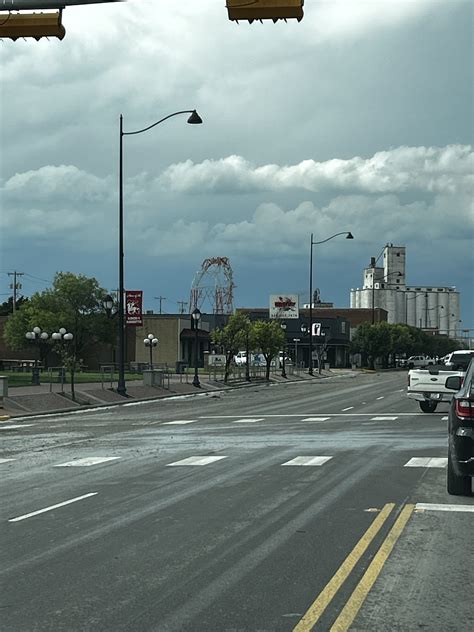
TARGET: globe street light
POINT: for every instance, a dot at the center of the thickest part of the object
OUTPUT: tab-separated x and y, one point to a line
196	316
304	331
63	335
315	243
39	336
194	119
151	342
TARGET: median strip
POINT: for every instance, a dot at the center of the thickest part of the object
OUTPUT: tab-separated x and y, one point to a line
323	600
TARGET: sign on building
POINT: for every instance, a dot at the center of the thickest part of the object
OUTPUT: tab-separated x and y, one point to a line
133	308
284	306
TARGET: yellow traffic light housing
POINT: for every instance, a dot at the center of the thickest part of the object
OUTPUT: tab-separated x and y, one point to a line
35	25
265	10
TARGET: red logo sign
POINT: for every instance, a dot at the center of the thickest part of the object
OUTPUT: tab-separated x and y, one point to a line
133	307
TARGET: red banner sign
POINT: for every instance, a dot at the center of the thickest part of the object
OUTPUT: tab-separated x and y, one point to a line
133	307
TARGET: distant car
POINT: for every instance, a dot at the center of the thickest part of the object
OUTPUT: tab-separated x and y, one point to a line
461	433
240	358
419	362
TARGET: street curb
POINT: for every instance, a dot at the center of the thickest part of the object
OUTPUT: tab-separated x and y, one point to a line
4	417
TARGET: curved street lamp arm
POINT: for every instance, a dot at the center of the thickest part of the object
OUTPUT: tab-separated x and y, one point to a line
145	129
344	232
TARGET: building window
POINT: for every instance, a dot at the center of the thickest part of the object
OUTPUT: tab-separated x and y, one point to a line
343	327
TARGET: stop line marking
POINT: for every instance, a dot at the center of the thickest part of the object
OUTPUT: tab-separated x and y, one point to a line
308	460
439	507
383	418
316	418
248	420
179	422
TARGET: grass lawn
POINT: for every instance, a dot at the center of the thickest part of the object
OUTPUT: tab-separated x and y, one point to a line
23	378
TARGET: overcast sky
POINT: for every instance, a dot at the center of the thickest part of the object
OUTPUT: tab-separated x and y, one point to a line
358	118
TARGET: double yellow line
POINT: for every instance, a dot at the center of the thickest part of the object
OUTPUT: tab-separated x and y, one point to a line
353	605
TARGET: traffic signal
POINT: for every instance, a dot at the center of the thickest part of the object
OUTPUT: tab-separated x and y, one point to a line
35	25
265	10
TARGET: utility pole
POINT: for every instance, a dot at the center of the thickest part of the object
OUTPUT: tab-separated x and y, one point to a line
15	286
182	306
160	298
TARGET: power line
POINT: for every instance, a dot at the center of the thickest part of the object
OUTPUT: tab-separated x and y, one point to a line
15	285
160	298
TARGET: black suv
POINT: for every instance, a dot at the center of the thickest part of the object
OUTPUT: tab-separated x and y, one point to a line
461	433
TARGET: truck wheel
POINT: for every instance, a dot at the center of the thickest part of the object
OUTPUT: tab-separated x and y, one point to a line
428	407
457	485
411	365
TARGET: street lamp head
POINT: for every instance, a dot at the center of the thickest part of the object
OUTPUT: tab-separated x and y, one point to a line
108	303
194	119
62	331
44	336
283	326
150	336
30	335
196	315
56	335
349	235
154	342
68	336
36	330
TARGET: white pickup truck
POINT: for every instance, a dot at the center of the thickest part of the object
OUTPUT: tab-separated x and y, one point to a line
428	386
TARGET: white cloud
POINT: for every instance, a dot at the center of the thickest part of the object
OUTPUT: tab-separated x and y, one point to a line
430	169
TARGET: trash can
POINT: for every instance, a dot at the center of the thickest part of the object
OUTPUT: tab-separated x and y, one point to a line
181	366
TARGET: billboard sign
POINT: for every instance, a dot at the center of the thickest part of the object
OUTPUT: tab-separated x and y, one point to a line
133	308
284	306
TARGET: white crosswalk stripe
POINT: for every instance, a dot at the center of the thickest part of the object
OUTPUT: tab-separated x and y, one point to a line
316	418
248	420
15	426
308	460
383	418
88	461
197	460
418	461
6	460
179	422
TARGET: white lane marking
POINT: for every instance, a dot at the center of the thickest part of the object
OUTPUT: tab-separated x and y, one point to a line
444	418
179	422
316	419
383	418
422	461
197	460
348	408
15	426
281	416
40	511
249	420
435	507
6	460
88	461
308	460
381	397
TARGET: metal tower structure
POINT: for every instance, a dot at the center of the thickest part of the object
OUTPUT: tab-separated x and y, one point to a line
213	285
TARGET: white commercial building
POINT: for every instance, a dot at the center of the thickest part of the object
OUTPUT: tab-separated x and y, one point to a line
427	307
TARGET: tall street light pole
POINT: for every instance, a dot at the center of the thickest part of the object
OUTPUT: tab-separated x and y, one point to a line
315	243
196	316
194	119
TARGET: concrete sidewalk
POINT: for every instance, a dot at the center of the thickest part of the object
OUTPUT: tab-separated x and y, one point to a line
46	398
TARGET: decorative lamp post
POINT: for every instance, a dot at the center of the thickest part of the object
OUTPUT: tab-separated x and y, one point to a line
315	243
150	341
40	337
63	335
196	316
194	119
247	353
283	371
304	331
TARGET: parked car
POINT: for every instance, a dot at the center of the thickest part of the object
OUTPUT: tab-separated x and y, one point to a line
419	362
461	434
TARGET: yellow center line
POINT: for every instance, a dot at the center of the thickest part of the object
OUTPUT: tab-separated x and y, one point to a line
321	602
352	607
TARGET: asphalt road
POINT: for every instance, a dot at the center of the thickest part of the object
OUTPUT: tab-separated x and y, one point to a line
289	507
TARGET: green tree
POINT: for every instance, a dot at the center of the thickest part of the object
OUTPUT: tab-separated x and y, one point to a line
372	341
269	337
6	308
231	338
73	302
